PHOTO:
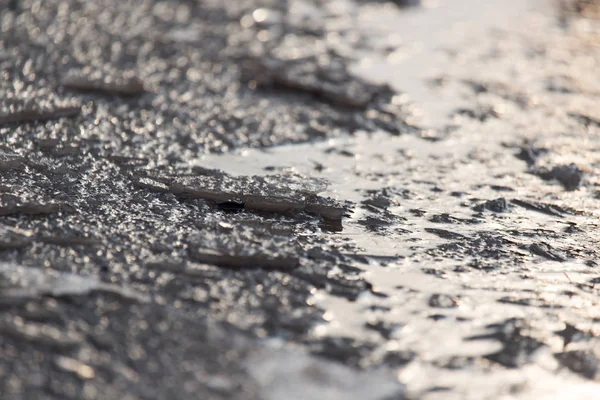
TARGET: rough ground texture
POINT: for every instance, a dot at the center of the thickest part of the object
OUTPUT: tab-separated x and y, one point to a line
443	248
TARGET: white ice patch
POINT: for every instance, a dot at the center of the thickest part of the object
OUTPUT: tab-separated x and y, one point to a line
300	376
18	282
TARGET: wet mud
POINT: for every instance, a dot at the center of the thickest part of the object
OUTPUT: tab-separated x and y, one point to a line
298	199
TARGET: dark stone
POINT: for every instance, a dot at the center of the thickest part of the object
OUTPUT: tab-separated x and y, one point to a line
572	334
437	317
417	212
443	219
378	202
444	234
481	113
442	301
342	349
584	363
374	224
399	358
498	205
433	271
517	347
570	176
385	329
530	154
549	209
573	228
544	250
500	188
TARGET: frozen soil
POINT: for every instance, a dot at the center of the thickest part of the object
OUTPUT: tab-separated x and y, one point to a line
299	199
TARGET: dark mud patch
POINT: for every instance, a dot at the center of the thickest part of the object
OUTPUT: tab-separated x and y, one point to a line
382	221
445	234
546	251
445	218
11	238
530	154
442	301
379	218
529	302
517	347
82	354
13	205
481	113
544	208
585	363
586	120
502	90
116	237
487	248
498	205
327	81
346	350
272	194
572	334
569	176
36	109
375	224
208	76
108	82
385	329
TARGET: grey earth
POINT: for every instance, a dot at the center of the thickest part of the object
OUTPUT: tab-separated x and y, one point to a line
299	199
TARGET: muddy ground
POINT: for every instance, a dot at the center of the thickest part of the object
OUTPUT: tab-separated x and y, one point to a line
269	199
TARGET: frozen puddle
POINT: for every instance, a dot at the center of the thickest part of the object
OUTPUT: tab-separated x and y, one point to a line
478	267
432	304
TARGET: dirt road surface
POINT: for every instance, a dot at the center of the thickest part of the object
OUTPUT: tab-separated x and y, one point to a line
301	199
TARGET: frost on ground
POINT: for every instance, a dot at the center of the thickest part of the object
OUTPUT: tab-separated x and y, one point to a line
378	255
